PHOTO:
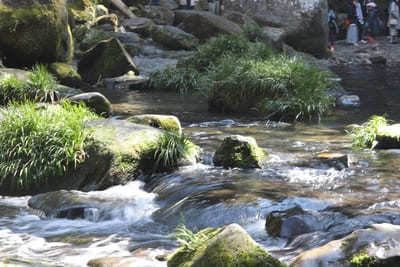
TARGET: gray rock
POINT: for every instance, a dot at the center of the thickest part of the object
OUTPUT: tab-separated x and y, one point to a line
205	25
159	15
240	19
348	101
128	81
138	25
379	243
173	38
303	21
148	65
239	151
336	160
95	101
164	122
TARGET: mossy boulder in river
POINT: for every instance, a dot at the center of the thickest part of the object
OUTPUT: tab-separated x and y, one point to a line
227	247
107	59
65	74
239	151
34	31
173	38
164	122
95	101
388	136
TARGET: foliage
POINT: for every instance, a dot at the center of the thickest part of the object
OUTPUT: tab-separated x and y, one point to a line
178	80
281	87
189	240
12	89
365	135
39	143
254	33
168	150
42	84
362	259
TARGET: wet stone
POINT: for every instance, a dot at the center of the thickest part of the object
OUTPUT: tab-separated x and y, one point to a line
348	101
335	160
129	81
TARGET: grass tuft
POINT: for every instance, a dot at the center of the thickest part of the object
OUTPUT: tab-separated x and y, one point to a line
42	84
40	143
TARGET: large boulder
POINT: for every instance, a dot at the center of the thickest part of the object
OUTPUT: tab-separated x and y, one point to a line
205	25
65	74
173	38
239	151
304	21
226	247
388	137
107	59
375	246
34	32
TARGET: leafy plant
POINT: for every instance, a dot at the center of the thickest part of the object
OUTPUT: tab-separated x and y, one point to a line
365	135
166	152
41	143
42	84
188	239
362	259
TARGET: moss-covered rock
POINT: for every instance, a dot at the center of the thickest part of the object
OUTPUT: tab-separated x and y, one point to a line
79	9
205	25
164	122
34	31
97	102
107	59
65	74
173	38
227	247
239	151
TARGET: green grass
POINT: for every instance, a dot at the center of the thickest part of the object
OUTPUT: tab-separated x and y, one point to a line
365	135
362	259
240	76
189	240
167	151
40	87
41	143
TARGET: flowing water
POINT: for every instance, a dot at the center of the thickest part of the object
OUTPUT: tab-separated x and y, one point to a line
137	219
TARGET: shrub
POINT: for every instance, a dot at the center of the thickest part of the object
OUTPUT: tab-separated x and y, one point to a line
39	143
166	152
42	84
12	89
365	135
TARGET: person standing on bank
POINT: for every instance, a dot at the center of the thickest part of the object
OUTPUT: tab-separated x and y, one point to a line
393	20
372	23
333	28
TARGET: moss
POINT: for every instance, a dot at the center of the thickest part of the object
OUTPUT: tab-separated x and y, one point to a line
65	74
167	123
234	152
362	259
34	33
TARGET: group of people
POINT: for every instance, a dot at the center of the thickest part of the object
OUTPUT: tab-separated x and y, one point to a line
363	22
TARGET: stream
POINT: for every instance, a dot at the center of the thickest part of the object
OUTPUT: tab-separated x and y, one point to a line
137	219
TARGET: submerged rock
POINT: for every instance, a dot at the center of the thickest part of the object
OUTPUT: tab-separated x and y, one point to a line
239	151
375	246
34	32
164	122
97	102
336	160
128	81
348	101
205	25
107	59
226	247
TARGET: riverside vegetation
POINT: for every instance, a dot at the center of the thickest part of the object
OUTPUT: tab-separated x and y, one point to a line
42	142
236	75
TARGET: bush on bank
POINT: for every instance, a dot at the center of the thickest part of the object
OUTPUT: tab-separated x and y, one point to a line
239	76
38	144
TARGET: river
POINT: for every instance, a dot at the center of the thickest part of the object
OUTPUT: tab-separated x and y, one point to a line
137	219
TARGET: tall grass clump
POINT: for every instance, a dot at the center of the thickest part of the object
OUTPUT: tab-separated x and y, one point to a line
12	90
279	88
37	144
166	152
365	135
42	84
